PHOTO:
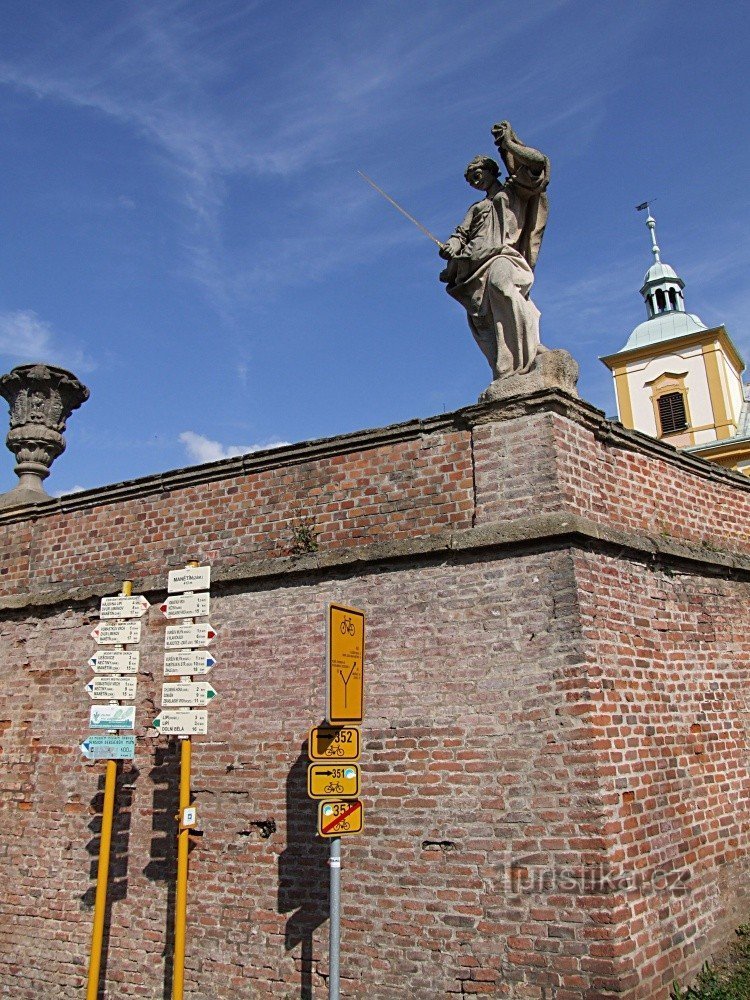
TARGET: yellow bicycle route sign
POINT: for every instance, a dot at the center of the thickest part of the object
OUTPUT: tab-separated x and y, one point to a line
325	780
339	819
334	743
345	681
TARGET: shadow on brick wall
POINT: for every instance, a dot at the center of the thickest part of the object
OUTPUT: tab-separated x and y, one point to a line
303	873
117	884
162	867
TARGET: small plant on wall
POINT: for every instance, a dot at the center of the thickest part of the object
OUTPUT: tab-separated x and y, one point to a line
303	536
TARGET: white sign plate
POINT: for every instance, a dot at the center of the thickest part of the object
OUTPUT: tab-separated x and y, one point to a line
186	605
108	747
190	578
124	607
188	636
182	722
112	717
112	688
186	695
117	634
185	662
115	661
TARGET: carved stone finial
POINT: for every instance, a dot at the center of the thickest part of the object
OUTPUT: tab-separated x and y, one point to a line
41	399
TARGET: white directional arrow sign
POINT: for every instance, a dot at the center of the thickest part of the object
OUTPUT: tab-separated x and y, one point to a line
105	746
117	634
115	661
186	606
190	578
182	722
184	662
188	636
187	694
112	717
112	688
124	607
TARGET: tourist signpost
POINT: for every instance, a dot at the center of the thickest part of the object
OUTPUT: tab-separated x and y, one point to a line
185	658
181	722
191	605
114	684
186	694
187	662
115	661
117	633
108	747
112	687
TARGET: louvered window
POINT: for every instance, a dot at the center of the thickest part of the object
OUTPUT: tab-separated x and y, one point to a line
672	416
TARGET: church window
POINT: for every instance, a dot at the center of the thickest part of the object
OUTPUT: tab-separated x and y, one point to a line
673	298
672	413
661	301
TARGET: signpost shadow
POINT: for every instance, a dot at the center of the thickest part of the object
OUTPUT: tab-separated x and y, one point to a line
117	887
303	872
165	775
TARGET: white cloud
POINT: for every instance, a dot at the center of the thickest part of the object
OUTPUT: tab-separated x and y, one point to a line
72	489
202	449
26	338
24	335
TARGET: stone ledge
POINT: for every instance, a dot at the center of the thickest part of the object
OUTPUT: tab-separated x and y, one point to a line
545	530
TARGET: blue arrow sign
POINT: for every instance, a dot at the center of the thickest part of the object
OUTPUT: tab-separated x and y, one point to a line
108	747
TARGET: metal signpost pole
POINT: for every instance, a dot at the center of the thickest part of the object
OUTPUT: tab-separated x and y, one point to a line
334	941
183	845
102	873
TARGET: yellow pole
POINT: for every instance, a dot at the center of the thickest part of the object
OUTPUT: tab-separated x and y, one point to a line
102	872
183	845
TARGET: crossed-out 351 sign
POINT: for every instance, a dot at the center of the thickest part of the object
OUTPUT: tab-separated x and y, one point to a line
337	817
345	675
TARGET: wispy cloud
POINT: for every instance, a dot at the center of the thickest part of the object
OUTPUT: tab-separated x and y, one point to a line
163	71
202	449
25	338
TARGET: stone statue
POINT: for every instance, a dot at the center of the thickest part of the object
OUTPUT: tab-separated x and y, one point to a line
491	257
41	399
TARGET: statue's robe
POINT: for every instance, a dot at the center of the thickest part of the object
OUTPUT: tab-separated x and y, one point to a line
492	274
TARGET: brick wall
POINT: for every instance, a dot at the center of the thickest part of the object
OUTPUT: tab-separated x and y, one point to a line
555	759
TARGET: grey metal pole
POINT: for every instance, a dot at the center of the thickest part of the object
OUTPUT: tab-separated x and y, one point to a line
334	939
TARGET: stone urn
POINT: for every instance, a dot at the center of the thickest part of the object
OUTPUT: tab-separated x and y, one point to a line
41	399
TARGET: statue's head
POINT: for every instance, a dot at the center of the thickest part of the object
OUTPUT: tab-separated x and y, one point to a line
484	163
482	172
501	130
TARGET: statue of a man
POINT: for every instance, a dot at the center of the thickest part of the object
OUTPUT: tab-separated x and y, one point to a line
491	255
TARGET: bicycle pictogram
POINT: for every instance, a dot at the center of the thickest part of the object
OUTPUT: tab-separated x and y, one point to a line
333	788
347	626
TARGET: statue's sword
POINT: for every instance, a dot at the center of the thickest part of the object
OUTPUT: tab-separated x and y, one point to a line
403	211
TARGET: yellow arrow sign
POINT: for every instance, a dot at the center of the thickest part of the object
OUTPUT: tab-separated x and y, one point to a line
345	686
334	743
325	780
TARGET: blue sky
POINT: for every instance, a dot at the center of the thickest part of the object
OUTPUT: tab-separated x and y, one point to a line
183	224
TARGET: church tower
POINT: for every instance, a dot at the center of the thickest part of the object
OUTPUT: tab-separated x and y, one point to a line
678	380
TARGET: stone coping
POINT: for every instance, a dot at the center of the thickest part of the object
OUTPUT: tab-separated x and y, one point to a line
545	401
542	531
